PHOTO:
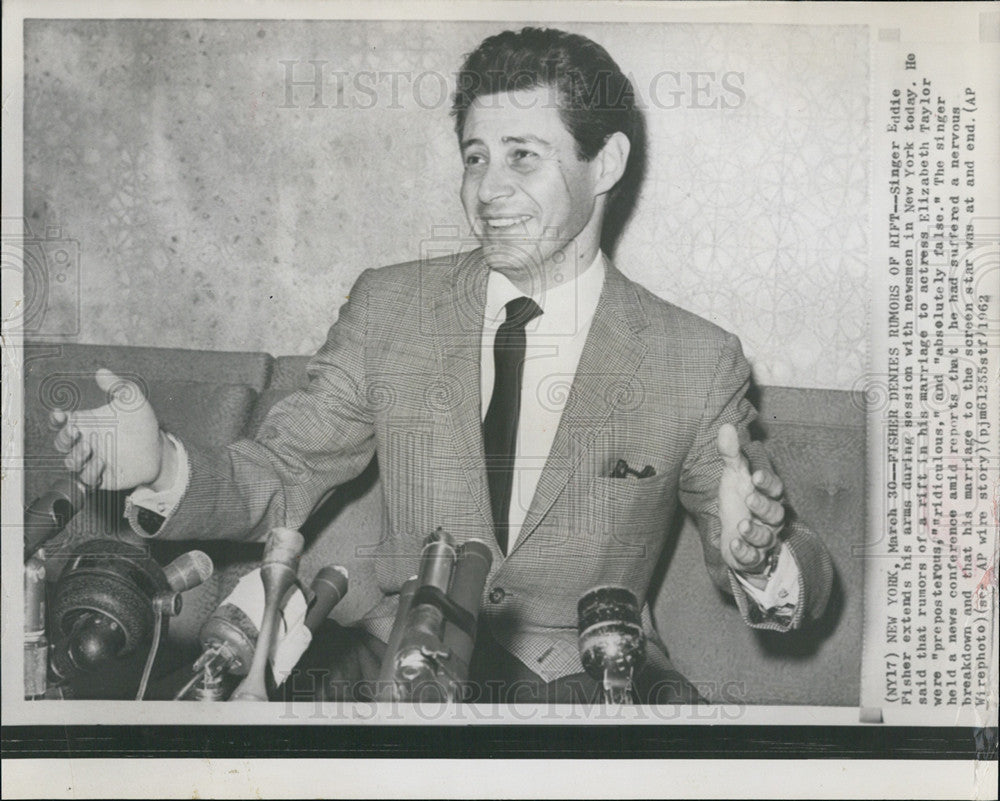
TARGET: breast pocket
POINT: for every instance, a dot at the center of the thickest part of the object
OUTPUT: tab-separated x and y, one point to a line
631	509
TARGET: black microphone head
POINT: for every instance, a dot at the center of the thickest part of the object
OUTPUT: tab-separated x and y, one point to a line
114	578
330	586
331	579
49	514
610	631
94	640
189	570
102	609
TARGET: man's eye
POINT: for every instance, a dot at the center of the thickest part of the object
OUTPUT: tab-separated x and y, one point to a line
523	155
474	159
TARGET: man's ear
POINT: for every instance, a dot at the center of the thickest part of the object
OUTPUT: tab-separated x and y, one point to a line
610	162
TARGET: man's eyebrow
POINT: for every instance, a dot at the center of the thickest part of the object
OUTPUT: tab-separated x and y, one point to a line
510	140
525	139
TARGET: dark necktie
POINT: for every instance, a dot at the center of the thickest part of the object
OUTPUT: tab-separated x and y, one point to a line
500	424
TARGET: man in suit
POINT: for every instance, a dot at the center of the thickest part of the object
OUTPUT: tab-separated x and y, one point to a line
525	393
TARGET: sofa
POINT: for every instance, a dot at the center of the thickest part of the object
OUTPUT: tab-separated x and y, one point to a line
816	439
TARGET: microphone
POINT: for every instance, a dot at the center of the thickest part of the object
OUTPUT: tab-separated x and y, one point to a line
467	581
36	646
110	601
282	551
184	573
49	514
229	636
611	640
329	587
434	632
415	664
188	570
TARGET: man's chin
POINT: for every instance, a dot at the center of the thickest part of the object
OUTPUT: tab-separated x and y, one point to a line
524	273
518	252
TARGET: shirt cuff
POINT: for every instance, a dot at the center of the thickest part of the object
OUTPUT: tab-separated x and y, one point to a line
166	501
782	589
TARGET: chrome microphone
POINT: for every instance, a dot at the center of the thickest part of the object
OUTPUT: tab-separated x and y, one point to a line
416	662
36	646
466	591
433	636
611	641
278	572
188	570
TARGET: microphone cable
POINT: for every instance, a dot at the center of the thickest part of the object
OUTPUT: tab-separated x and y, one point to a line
151	657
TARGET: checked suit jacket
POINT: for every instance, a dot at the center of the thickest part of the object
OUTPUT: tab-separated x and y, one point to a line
399	376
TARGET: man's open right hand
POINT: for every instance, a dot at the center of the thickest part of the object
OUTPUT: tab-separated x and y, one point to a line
117	446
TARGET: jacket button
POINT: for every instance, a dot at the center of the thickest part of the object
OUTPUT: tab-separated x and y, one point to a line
497	595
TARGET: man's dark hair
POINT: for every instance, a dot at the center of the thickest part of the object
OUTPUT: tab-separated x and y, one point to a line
594	99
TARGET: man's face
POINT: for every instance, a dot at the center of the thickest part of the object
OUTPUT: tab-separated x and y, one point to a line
525	192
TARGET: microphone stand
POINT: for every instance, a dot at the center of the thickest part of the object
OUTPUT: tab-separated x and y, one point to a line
278	573
45	517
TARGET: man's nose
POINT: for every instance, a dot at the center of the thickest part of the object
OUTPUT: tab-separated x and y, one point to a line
496	183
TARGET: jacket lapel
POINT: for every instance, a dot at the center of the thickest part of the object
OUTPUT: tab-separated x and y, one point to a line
610	358
458	325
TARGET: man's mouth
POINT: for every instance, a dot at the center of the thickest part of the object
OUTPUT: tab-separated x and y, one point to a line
503	223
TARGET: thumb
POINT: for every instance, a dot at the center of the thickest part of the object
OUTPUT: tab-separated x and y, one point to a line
728	444
107	380
118	389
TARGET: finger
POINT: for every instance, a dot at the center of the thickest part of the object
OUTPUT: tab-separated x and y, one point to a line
728	444
746	556
66	438
57	419
120	389
92	473
766	510
767	481
78	456
759	536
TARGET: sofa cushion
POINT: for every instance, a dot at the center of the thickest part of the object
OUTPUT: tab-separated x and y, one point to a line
150	364
212	415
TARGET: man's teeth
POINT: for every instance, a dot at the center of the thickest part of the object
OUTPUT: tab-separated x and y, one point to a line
505	222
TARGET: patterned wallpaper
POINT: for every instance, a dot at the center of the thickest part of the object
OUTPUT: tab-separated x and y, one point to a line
212	213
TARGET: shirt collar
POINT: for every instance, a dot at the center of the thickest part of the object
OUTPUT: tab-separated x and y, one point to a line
565	306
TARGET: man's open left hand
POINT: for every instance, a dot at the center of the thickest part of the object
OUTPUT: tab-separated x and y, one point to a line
750	509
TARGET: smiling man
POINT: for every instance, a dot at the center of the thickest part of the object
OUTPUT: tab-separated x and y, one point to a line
524	393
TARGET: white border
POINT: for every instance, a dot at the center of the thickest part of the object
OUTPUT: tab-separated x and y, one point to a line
478	778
